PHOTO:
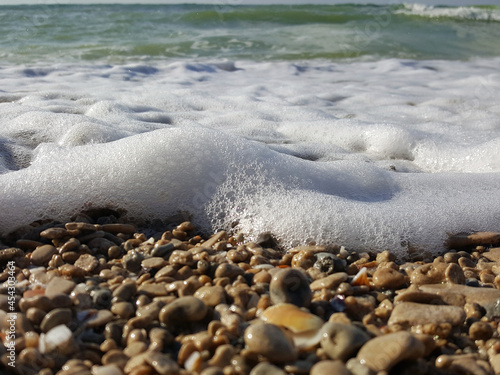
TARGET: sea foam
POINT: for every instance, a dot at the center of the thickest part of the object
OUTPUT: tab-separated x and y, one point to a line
371	155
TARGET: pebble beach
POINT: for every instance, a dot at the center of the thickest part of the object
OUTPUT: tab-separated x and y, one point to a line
101	296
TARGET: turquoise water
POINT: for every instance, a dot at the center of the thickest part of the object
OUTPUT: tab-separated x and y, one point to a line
128	33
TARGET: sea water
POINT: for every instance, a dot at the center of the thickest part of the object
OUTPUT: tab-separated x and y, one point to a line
372	127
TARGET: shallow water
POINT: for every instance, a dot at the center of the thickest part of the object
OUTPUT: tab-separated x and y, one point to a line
375	151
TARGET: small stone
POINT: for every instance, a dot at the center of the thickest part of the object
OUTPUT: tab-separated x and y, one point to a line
462	240
183	309
211	295
388	278
161	363
480	331
132	261
266	368
106	370
341	341
56	233
330	282
123	309
410	314
118	228
271	342
429	273
154	262
100	318
228	270
454	274
383	352
101	298
488	298
329	367
87	262
9	254
59	338
56	317
290	286
59	285
153	290
125	291
42	255
100	245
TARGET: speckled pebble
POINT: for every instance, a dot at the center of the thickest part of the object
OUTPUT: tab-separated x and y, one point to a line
290	286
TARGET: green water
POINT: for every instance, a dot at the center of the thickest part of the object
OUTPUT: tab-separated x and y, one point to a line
124	33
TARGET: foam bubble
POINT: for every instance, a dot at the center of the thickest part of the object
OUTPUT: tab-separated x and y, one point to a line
371	155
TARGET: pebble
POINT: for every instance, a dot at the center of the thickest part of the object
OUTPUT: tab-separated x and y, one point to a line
342	341
384	352
228	270
271	342
9	254
124	310
266	368
388	278
132	261
161	363
183	310
59	285
329	282
409	314
56	317
87	262
330	367
211	295
125	291
42	255
480	331
154	262
290	286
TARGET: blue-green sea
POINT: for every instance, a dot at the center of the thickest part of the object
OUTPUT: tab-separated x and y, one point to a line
122	33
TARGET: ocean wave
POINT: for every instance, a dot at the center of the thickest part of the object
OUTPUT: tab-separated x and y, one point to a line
472	13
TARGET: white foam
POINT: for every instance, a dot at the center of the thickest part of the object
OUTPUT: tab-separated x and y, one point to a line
389	154
461	12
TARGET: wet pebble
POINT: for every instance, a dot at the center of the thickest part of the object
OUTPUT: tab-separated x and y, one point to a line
383	352
42	255
290	286
56	317
341	341
329	367
271	342
183	310
388	278
410	314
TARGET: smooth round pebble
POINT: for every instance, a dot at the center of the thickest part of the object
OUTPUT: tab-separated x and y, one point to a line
383	352
56	317
266	368
388	278
271	342
42	255
183	310
341	341
329	367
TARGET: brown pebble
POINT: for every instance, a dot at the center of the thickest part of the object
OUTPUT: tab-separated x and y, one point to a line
412	314
211	295
266	368
42	255
329	282
228	270
329	367
388	278
383	352
87	262
56	317
183	309
154	262
123	309
480	331
341	341
271	342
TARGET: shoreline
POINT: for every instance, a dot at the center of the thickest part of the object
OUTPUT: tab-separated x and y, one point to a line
97	296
